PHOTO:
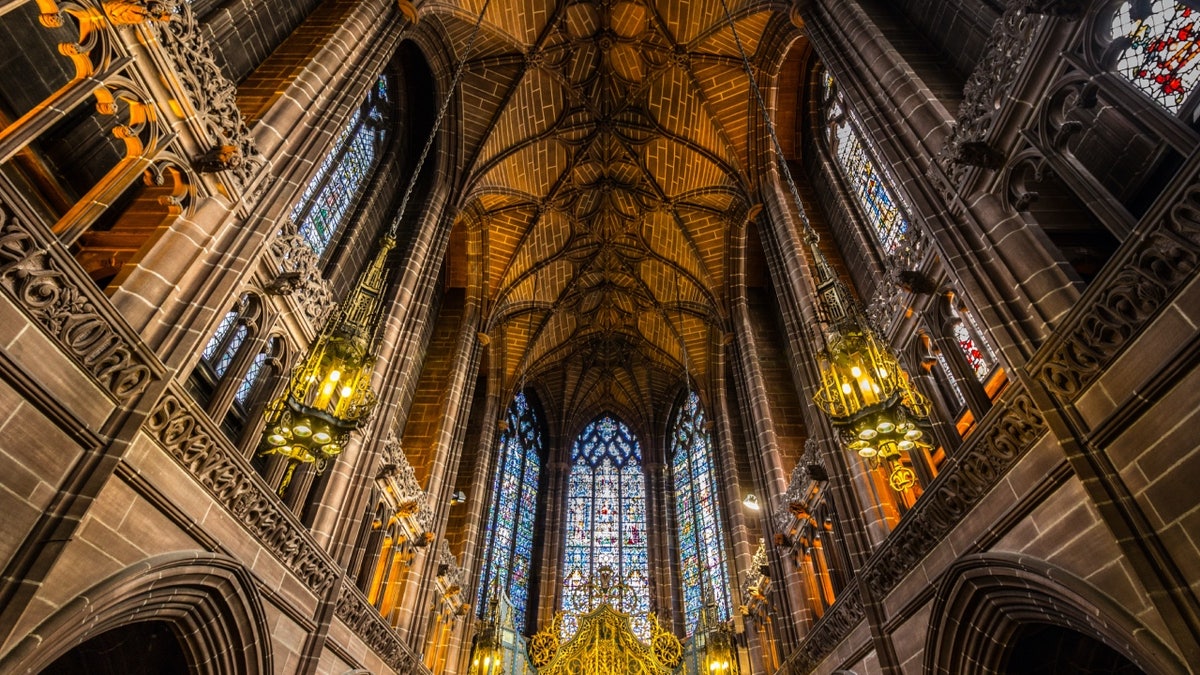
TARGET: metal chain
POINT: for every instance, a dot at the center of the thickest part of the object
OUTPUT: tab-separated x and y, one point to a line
437	123
809	233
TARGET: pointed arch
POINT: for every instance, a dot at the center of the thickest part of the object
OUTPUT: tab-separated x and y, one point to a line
701	528
985	600
507	560
210	602
606	521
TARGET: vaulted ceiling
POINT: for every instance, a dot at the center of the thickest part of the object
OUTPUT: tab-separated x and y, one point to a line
606	151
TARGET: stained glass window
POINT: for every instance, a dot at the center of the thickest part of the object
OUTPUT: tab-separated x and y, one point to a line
339	179
508	550
256	369
227	339
698	514
606	524
1161	57
864	177
974	345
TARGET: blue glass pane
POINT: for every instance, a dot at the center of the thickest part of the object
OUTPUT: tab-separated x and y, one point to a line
235	343
606	522
508	548
214	343
247	385
338	181
698	513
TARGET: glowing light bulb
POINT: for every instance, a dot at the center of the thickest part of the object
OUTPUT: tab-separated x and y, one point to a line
845	387
335	375
856	371
347	390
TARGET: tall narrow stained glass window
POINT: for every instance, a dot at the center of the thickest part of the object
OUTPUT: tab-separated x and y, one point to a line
865	179
1161	58
698	513
974	345
508	550
339	180
606	525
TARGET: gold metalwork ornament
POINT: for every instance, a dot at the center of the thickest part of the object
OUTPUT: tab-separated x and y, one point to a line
544	644
329	394
605	644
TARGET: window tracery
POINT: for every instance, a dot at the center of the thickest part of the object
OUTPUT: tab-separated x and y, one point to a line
339	179
698	514
872	191
606	523
1160	59
508	550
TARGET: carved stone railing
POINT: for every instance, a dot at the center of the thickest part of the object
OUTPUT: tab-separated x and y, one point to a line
1139	281
42	278
182	428
827	633
1001	439
362	618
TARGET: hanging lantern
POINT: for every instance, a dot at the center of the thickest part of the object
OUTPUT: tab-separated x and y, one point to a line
329	394
864	390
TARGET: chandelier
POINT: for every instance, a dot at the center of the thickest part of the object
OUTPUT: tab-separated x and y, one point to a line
863	391
329	394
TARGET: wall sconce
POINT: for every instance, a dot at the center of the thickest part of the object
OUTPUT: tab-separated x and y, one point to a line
459	497
751	502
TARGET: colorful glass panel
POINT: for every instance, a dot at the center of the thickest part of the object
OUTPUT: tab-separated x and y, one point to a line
508	550
975	358
871	190
1161	57
606	525
698	514
339	179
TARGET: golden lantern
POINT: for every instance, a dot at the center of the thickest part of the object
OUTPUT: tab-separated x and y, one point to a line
329	394
864	390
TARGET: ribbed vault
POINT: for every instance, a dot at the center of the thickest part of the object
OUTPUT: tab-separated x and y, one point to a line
606	151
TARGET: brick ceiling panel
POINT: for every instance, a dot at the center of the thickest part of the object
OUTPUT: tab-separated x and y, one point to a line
605	148
536	104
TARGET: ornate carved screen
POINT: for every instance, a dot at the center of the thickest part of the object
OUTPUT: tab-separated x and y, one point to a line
605	644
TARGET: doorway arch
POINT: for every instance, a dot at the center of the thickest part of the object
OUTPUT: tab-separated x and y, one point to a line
206	603
987	606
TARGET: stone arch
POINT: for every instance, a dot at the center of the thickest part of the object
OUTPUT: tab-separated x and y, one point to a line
209	600
984	600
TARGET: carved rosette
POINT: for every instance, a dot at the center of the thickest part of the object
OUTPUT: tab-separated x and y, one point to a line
184	431
40	283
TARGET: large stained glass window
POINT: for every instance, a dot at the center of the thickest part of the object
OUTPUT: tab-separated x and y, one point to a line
698	514
606	525
508	540
864	177
227	339
340	178
1161	58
